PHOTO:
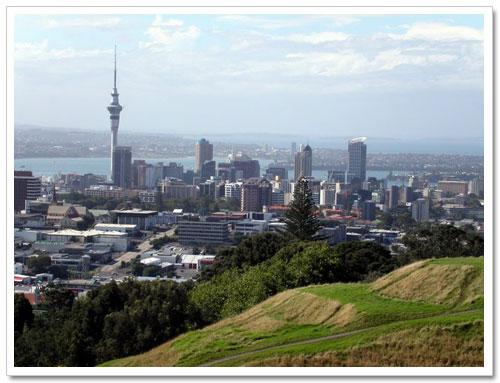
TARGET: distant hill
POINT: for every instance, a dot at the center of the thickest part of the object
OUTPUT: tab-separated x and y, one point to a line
429	313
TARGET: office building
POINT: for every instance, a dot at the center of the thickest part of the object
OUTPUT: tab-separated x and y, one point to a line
245	167
207	170
392	199
356	167
114	110
122	166
454	187
26	188
303	163
173	188
420	210
335	176
255	194
368	210
232	190
173	170
203	232
476	186
144	219
204	151
273	171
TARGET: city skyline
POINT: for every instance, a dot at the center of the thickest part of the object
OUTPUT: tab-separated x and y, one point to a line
412	75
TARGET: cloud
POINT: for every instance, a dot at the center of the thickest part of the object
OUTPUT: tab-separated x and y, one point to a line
439	32
316	38
158	21
164	34
83	22
39	51
259	22
350	62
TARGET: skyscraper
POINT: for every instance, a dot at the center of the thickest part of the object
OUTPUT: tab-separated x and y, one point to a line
204	151
303	163
356	167
122	166
255	194
420	210
26	187
293	151
114	110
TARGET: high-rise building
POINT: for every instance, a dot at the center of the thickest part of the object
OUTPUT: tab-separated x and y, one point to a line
356	167
476	186
244	167
274	171
335	176
139	174
393	198
26	188
122	166
293	151
233	190
207	170
173	170
204	151
368	210
420	210
114	109
303	163
255	194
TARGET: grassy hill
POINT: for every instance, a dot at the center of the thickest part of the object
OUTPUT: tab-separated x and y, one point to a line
429	313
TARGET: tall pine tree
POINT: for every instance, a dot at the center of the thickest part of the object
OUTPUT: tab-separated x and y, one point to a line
299	218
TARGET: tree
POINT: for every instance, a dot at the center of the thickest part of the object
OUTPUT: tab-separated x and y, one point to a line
58	271
57	298
39	264
23	313
299	218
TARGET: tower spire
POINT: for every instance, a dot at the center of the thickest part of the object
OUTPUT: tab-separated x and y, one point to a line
115	71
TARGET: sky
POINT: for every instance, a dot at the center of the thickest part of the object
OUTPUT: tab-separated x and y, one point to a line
399	76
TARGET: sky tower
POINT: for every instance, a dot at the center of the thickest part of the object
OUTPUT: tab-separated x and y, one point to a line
114	109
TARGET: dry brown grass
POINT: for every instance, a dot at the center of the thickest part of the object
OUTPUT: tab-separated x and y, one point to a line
291	306
429	347
397	274
441	284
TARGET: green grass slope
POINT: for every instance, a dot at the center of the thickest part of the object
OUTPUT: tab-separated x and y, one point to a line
425	314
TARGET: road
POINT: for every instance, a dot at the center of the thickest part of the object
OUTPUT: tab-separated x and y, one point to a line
129	255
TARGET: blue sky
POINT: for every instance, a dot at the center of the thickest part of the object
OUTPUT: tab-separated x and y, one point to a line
325	75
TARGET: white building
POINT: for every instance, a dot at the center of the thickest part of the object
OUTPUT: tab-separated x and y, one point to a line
121	228
250	226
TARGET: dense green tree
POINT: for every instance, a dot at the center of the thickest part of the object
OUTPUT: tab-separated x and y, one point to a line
300	217
58	271
437	241
39	264
58	298
151	271
23	313
251	251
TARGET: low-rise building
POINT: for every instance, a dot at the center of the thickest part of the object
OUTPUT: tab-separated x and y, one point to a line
144	219
250	226
129	229
203	232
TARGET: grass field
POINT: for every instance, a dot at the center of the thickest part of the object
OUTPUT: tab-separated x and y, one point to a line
439	299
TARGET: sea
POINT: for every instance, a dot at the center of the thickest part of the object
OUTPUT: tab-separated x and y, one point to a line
49	167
